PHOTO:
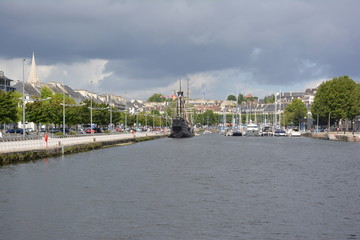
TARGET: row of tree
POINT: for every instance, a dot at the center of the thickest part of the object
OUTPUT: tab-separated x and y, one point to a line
242	99
334	100
338	99
48	109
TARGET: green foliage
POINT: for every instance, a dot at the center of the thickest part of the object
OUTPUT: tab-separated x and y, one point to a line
208	118
231	98
9	107
155	112
45	92
156	97
269	99
241	99
295	111
338	97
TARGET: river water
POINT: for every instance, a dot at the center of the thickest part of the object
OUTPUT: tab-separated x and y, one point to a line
206	187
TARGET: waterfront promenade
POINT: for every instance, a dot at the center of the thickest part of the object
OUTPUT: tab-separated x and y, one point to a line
335	136
54	142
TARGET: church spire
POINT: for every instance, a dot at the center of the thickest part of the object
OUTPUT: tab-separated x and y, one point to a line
33	77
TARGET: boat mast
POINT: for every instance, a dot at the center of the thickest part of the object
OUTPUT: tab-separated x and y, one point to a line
179	109
177	103
187	100
280	110
180	100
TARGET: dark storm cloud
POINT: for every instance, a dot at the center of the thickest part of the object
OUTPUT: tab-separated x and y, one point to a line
152	43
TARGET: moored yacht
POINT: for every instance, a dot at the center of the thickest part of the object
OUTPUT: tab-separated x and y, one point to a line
267	131
294	133
252	129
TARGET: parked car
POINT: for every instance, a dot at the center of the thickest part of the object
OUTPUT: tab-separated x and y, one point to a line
12	130
18	130
280	132
30	130
90	130
54	130
97	130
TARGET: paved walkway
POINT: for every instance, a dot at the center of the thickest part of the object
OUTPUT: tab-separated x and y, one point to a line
25	145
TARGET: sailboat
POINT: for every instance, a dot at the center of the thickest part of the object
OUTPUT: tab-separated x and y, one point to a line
181	126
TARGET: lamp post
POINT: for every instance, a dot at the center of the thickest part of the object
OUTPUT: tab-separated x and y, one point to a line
91	132
110	110
68	105
63	110
317	123
125	119
137	120
23	98
91	108
153	122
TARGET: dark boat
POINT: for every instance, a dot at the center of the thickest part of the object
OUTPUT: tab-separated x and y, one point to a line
181	127
237	133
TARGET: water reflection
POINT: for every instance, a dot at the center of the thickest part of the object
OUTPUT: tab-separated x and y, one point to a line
208	187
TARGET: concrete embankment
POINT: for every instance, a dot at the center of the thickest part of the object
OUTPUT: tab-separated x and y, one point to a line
13	157
334	136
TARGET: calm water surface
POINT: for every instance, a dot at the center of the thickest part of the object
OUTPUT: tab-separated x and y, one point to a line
207	187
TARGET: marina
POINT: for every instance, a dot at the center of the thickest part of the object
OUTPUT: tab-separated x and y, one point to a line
269	188
179	120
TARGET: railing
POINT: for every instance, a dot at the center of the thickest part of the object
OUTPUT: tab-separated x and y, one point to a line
34	143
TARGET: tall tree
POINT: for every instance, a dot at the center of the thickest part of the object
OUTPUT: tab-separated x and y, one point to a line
241	99
46	92
270	99
295	111
9	102
156	97
338	98
231	98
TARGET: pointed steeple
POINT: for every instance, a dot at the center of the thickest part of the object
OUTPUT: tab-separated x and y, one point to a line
33	77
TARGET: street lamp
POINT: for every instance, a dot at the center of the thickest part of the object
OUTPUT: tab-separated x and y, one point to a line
91	108
145	125
137	120
23	98
68	105
91	132
317	123
153	122
110	110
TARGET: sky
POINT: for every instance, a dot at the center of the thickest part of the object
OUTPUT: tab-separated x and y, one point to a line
137	48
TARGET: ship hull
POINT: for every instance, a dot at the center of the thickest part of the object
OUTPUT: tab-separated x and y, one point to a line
181	129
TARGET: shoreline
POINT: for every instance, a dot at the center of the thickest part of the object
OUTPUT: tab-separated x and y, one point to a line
27	155
334	136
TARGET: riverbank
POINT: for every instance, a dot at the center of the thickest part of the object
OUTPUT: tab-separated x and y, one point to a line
334	136
69	146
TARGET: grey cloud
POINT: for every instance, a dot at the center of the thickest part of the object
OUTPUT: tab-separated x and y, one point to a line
151	43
